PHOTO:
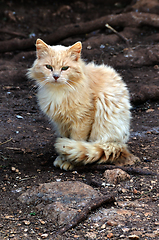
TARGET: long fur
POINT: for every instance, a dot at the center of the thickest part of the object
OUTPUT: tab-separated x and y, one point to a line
89	104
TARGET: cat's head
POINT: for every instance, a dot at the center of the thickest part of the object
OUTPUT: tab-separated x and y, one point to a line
57	65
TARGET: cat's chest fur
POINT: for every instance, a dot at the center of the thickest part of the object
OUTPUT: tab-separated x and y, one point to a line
52	102
62	106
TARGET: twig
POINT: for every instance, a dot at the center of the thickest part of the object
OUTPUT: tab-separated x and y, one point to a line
118	34
82	215
16	149
6	141
24	179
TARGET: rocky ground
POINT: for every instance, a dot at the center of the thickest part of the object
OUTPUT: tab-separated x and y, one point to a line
27	211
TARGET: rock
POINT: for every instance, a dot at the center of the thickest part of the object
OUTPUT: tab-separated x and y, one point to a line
116	175
59	201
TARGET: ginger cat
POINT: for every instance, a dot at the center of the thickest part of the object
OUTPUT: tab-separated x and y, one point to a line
88	103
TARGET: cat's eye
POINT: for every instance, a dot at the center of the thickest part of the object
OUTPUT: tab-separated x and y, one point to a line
49	67
64	68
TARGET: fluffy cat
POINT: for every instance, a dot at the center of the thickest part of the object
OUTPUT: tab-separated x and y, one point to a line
88	103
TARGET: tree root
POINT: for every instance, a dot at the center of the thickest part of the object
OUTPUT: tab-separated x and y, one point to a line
82	215
138	56
147	92
103	167
130	19
16	34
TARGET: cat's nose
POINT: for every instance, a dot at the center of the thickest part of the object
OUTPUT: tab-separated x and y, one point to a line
56	76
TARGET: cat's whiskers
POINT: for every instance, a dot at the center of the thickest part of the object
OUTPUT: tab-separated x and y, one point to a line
37	85
42	84
70	80
34	86
71	86
45	81
67	83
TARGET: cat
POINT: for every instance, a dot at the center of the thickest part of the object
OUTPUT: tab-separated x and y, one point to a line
88	103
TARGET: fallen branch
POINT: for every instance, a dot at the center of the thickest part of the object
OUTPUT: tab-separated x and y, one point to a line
83	213
130	19
103	167
130	170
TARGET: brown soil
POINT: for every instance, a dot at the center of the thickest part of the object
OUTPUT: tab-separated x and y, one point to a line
27	138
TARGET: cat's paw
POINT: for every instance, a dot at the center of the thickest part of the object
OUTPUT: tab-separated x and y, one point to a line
62	145
63	164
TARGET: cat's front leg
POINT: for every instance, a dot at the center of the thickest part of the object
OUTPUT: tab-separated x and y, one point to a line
62	163
81	131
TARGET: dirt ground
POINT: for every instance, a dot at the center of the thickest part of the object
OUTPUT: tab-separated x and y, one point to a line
27	138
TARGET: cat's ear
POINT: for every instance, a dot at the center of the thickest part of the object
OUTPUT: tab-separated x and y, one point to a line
75	50
41	48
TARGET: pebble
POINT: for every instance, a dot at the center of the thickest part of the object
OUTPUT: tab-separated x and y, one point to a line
13	169
44	235
102	46
9	216
26	222
134	237
112	223
103	226
41	221
89	47
110	235
91	235
135	191
19	117
125	229
156	232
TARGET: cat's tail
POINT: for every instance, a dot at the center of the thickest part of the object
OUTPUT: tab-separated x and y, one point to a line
82	152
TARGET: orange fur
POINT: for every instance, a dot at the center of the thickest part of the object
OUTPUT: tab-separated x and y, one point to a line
89	104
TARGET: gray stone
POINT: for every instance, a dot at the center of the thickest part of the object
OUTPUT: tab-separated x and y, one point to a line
59	201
